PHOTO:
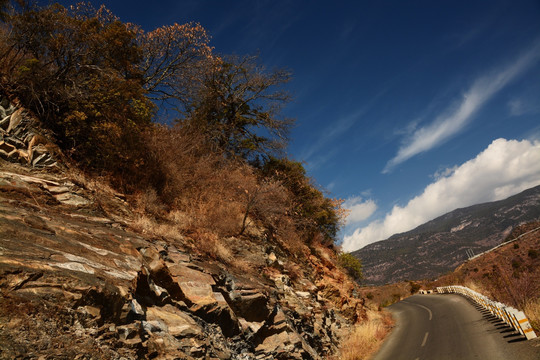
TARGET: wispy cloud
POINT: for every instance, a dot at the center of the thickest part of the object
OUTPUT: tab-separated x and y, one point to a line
340	127
523	106
504	168
455	118
331	133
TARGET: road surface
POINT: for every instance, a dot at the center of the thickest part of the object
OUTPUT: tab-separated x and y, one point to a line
449	327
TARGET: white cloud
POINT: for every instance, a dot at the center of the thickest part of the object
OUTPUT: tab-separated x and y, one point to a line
360	209
457	117
504	168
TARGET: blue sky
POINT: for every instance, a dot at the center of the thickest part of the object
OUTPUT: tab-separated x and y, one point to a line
406	109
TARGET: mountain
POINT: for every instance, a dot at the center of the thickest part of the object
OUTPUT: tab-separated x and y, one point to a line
440	245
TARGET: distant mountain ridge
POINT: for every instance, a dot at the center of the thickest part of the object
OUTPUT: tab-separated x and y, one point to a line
440	245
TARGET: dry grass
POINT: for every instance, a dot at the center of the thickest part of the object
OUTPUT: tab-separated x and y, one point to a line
532	311
473	285
366	338
173	230
148	225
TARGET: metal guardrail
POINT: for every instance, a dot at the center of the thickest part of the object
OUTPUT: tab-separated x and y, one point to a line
512	317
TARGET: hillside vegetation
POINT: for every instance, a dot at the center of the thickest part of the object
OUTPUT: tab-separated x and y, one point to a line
184	132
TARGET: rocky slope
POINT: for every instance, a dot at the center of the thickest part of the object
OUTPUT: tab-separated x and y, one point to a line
441	245
77	282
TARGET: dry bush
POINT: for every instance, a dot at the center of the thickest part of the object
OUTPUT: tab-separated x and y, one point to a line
289	238
147	202
367	337
195	181
511	286
208	196
9	59
209	243
220	194
180	218
265	201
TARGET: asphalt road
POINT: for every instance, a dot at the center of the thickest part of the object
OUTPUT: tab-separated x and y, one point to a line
441	327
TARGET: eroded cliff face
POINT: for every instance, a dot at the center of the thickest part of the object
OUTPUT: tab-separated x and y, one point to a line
77	282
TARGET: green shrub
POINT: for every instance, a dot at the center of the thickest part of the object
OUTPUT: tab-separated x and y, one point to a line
352	265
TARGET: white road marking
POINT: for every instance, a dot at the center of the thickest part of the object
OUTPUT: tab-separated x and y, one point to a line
425	339
422	306
429	311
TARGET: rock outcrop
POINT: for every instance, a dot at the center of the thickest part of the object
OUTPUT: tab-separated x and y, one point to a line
22	139
76	282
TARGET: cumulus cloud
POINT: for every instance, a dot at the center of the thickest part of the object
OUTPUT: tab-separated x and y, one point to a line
359	208
504	168
456	117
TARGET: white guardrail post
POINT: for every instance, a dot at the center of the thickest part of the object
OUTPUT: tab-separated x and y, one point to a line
513	317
